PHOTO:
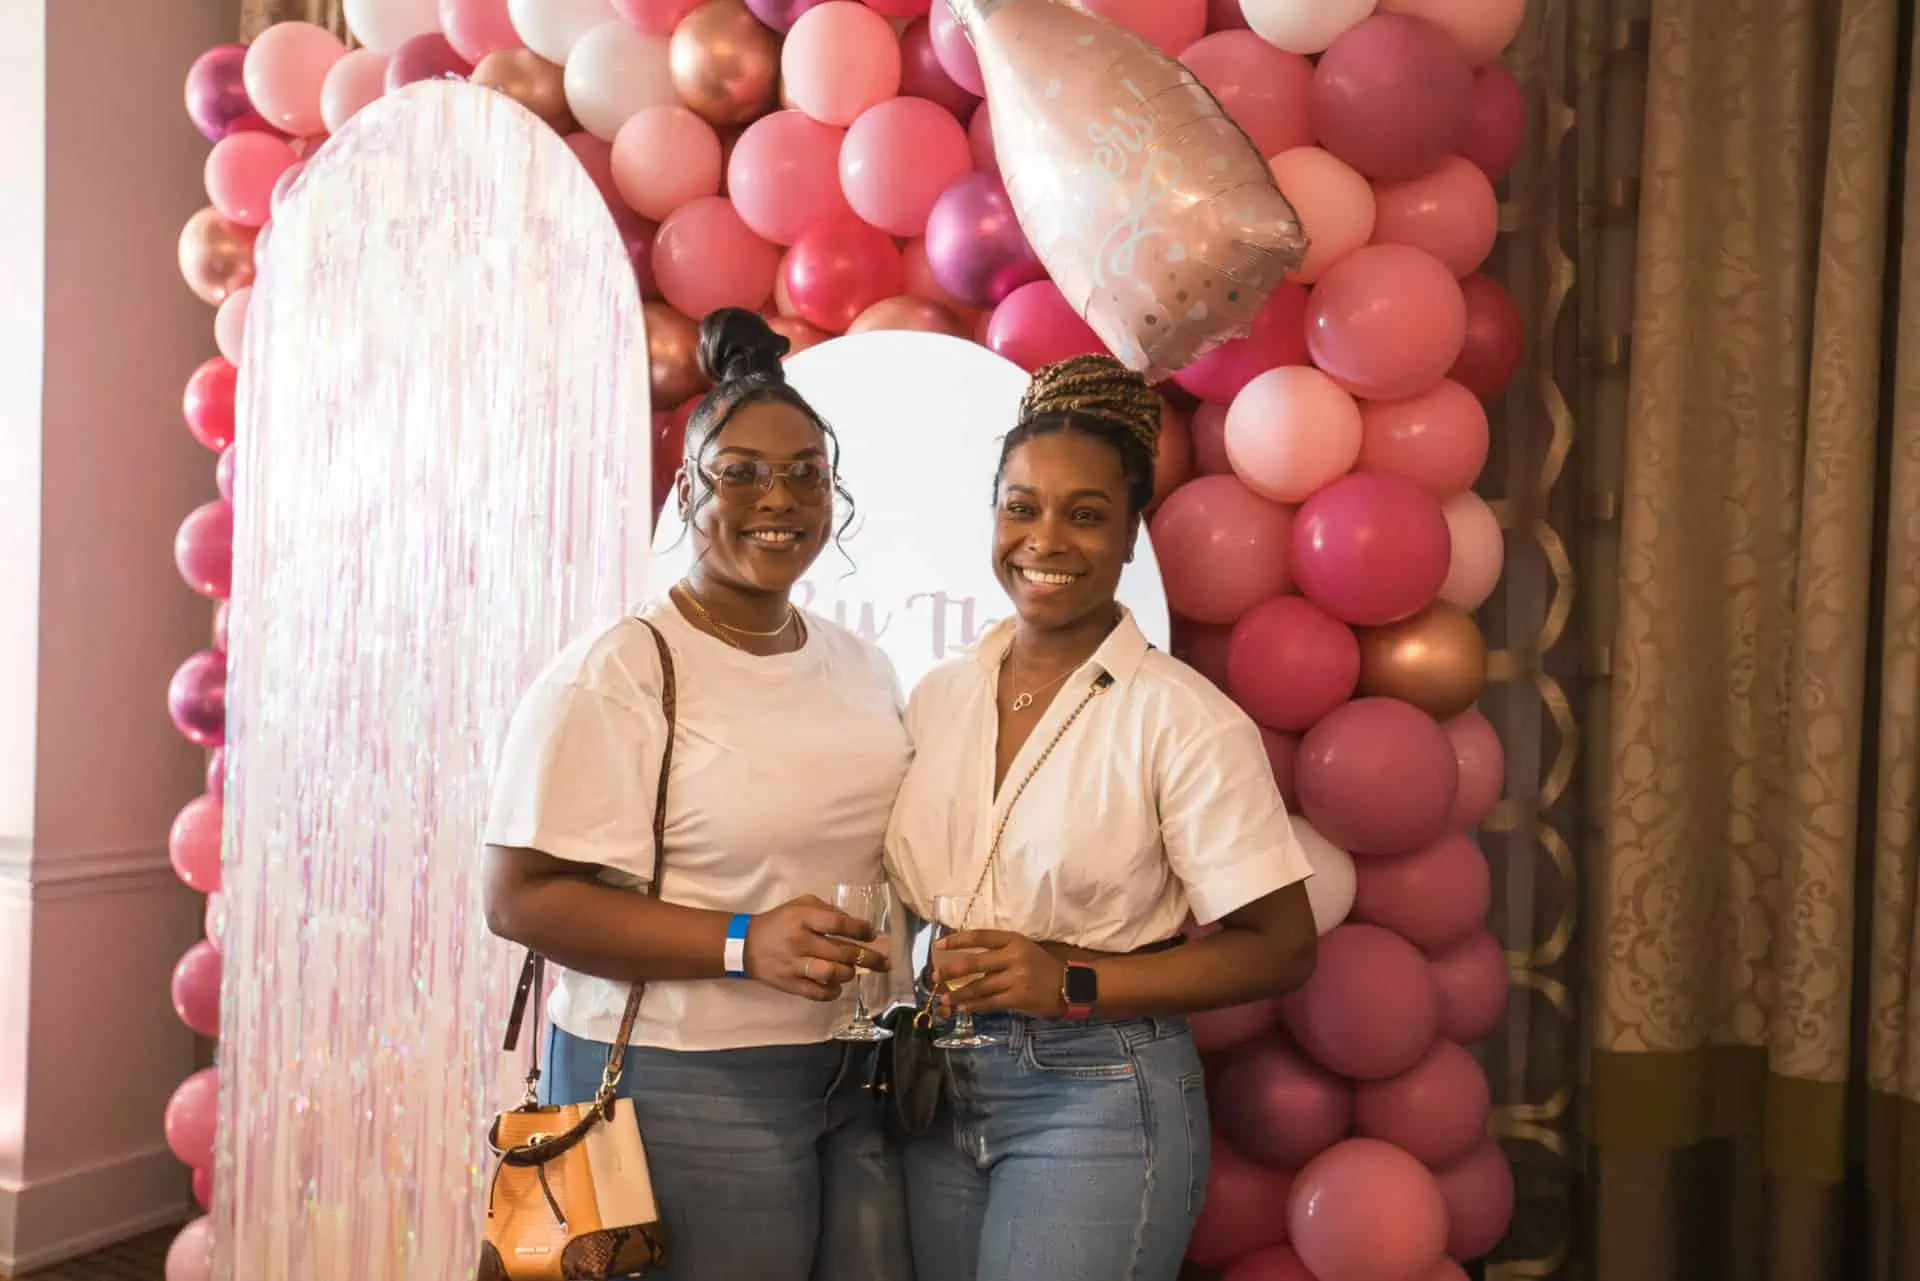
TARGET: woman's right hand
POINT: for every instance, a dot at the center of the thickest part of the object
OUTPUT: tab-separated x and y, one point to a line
802	948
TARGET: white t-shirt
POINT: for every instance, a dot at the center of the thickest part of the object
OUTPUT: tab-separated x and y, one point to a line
784	771
1158	800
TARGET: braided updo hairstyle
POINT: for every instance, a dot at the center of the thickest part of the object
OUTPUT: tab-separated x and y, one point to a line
1099	397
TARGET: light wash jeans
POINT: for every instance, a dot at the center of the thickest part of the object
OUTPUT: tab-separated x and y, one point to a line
1069	1152
769	1164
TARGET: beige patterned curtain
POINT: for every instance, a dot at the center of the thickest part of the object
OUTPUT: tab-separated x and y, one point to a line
256	15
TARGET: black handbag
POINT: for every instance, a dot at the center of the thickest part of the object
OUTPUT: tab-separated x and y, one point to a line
909	1073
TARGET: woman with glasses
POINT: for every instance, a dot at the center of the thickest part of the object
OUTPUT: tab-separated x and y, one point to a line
788	752
1074	795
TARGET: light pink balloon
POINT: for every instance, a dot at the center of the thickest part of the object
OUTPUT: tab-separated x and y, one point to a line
192	1116
1478	551
1386	322
1433	897
1292	432
196	989
954	50
1450	213
898	158
1481	28
193	844
1245	1208
1471	977
1377	776
705	258
1281	1108
285	67
476	28
1208	428
664	158
283	185
1482	763
190	1257
839	60
1289	663
1478	1191
1267	91
1371	1009
784	175
240	173
1274	1263
230	324
980	140
1436	1110
1034	326
1438	439
354	81
1366	1211
1334	202
1168	25
656	17
1217	1030
1222	549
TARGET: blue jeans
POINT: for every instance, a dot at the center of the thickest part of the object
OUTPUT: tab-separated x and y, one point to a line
1069	1152
766	1167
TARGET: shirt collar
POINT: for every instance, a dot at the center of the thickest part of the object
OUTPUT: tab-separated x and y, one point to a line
1119	656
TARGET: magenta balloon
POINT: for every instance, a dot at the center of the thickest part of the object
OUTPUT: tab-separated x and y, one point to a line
1275	1263
1436	1110
191	1117
217	101
1387	322
1496	126
1482	764
197	698
1282	751
1371	549
1217	1030
1203	647
426	57
1278	337
203	549
1478	1191
1036	326
1222	549
1366	1211
975	247
203	1187
1371	1009
954	50
1391	96
1281	1108
1472	978
781	14
1245	1208
196	989
1289	663
1377	776
223	474
1433	897
193	844
922	76
1493	338
217	774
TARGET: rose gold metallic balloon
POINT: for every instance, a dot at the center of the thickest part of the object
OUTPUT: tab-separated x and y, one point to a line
909	312
1150	209
798	332
673	355
725	65
531	81
1435	660
216	256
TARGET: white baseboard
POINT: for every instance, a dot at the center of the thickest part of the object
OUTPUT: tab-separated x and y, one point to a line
48	1221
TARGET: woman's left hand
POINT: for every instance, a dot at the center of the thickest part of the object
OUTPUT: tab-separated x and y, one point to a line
1014	974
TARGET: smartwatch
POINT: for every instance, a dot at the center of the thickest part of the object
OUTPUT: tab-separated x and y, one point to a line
1080	989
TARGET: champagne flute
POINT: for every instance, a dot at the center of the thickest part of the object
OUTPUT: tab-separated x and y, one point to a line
948	908
867	903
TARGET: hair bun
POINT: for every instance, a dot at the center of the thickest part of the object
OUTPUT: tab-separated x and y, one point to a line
736	343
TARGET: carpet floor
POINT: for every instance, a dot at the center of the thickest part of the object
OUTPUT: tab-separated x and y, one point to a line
142	1259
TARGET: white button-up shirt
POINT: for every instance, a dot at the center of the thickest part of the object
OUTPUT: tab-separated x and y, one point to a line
1158	800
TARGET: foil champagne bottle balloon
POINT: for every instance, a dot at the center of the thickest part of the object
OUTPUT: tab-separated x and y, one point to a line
1151	210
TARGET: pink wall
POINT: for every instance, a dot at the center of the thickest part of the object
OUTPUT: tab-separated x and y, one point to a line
93	618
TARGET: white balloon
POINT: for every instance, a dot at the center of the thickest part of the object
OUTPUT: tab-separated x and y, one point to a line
1332	886
616	72
385	25
552	28
1304	26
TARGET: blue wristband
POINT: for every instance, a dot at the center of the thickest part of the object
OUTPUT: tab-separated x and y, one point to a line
736	953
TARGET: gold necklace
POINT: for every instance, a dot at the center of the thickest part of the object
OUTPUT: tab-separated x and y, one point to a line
1021	702
722	629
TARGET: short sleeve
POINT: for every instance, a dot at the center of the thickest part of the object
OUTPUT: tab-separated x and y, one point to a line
578	778
1225	828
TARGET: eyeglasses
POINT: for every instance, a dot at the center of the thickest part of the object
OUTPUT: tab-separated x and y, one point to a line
741	481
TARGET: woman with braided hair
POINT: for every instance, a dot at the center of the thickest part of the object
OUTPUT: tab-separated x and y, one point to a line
1075	794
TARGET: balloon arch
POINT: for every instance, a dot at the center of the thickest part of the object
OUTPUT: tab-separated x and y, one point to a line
832	162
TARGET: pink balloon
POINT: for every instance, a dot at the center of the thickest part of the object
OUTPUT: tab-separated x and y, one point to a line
1436	1110
197	699
1438	439
1477	551
1478	1191
1386	322
656	17
1493	338
1433	897
216	777
1377	776
1034	326
1245	1208
193	844
922	76
208	402
1275	1263
1482	763
838	269
476	28
191	1117
1371	1009
1370	548
1267	91
840	60
1203	647
1217	1030
203	1187
1281	1108
230	325
196	989
1482	29
1366	1211
1278	337
352	82
203	549
1222	549
190	1257
1496	126
283	186
980	144
285	68
1289	663
240	173
1291	432
1168	25
425	57
1472	978
898	158
1390	96
667	157
1334	202
901	8
784	175
1450	213
954	50
1282	751
706	258
921	282
1208	429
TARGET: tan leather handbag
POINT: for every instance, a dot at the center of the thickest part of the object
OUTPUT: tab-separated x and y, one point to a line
571	1198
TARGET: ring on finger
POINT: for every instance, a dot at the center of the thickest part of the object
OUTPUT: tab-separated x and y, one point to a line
808	971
